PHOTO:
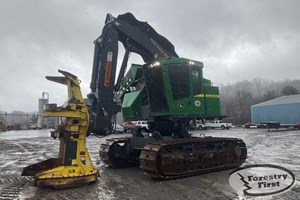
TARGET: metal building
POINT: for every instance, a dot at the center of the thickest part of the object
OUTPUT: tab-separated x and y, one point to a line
285	109
45	122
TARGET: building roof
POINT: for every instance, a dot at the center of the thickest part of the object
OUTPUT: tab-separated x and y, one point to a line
290	99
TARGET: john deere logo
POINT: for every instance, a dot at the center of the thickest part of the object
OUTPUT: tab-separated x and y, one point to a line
262	180
181	106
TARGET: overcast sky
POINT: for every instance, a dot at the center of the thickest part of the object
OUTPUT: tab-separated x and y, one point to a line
235	39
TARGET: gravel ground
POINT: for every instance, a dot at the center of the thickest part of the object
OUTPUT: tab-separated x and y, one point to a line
22	148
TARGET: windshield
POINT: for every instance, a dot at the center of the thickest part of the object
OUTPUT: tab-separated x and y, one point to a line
155	87
179	81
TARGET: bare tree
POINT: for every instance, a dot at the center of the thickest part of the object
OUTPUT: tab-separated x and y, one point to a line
271	94
237	99
289	90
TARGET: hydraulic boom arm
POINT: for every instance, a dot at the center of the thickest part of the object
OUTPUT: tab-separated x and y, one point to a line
136	36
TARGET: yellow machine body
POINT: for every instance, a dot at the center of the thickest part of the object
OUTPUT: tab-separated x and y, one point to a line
73	167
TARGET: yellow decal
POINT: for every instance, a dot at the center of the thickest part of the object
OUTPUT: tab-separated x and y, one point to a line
181	106
208	95
159	48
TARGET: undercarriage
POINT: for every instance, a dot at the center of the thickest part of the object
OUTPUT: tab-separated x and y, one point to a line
170	158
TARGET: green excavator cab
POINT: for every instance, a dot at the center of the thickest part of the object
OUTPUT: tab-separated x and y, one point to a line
173	87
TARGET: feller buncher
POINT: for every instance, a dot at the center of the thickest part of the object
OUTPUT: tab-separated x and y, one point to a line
167	91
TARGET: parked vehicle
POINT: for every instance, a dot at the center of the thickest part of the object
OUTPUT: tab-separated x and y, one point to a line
218	124
130	126
200	125
119	128
250	125
141	123
254	125
297	125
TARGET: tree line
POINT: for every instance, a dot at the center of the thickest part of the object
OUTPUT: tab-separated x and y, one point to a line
237	99
18	117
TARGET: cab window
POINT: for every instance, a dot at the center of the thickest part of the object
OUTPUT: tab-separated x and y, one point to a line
179	81
196	78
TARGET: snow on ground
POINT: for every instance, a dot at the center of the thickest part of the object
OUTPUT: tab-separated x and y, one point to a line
22	148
